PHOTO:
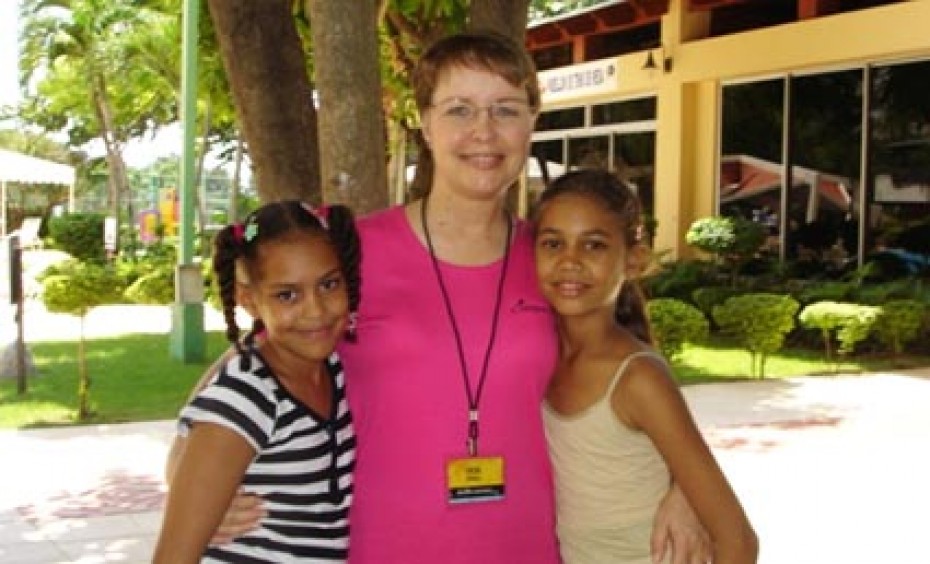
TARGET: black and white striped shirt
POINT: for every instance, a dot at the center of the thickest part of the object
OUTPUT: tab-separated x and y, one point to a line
303	469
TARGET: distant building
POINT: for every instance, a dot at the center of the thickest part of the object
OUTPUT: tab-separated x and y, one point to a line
811	112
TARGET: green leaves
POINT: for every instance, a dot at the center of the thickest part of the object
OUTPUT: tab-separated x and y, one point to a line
77	53
899	323
759	323
849	322
79	287
724	236
675	323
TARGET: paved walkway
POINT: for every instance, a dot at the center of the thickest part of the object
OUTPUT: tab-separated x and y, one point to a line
830	470
82	494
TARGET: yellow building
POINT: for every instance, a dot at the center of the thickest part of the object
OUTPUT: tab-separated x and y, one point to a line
715	106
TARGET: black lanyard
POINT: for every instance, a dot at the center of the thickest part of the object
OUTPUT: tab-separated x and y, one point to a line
473	399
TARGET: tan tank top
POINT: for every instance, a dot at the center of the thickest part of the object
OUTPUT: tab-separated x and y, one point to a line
609	480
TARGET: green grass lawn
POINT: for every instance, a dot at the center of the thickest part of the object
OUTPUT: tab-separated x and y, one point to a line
720	361
134	377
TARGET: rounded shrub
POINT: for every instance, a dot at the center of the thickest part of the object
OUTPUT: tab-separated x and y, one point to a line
707	297
850	323
759	322
156	287
725	236
675	323
79	234
899	323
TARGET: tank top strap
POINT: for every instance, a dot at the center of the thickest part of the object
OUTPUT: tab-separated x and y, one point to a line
621	370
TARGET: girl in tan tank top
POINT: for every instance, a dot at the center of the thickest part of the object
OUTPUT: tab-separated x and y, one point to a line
618	427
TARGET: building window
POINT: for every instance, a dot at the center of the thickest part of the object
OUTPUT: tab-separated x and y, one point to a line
555	120
824	221
751	160
898	238
643	109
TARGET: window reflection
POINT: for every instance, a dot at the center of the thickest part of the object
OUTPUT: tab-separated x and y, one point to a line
826	141
898	238
750	166
824	220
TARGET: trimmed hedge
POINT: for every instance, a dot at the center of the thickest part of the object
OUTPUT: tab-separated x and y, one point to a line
675	323
759	323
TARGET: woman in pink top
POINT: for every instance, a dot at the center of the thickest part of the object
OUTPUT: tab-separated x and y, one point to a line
455	344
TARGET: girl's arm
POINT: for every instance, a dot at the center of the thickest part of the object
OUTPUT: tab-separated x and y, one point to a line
178	443
648	399
245	511
208	474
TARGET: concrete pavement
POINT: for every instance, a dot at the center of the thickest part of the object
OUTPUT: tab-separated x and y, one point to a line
832	470
82	494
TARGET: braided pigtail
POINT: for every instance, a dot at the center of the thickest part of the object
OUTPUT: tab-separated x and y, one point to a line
225	253
345	239
631	312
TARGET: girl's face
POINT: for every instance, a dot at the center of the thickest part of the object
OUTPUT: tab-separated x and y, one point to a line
581	256
478	128
300	294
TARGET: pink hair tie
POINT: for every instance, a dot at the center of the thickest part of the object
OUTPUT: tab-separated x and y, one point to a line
321	214
238	231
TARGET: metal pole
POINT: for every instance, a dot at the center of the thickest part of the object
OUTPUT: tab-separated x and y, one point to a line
16	276
189	126
2	207
188	342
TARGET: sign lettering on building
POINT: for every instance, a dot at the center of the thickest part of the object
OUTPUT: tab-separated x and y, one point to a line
584	79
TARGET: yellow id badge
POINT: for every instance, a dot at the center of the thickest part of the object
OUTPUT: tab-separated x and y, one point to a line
475	479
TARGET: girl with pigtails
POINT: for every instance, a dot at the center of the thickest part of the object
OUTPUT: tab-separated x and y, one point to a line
274	421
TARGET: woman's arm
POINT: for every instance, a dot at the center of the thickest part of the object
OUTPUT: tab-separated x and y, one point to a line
649	399
208	473
676	529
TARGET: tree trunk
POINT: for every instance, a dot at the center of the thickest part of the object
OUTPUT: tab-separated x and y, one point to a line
83	378
267	73
203	217
353	159
234	189
118	180
508	17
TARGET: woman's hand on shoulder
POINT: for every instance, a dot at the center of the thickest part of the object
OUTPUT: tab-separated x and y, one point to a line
676	528
244	513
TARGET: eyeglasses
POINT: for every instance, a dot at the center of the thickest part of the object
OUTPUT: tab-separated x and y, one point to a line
462	113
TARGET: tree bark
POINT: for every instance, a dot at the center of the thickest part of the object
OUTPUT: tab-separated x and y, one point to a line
509	17
267	73
346	58
199	181
235	189
118	181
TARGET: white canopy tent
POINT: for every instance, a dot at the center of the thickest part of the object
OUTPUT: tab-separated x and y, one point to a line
17	167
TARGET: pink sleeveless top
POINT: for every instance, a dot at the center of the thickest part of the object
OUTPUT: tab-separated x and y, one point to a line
406	389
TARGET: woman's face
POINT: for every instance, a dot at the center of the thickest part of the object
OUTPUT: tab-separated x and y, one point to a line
478	128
